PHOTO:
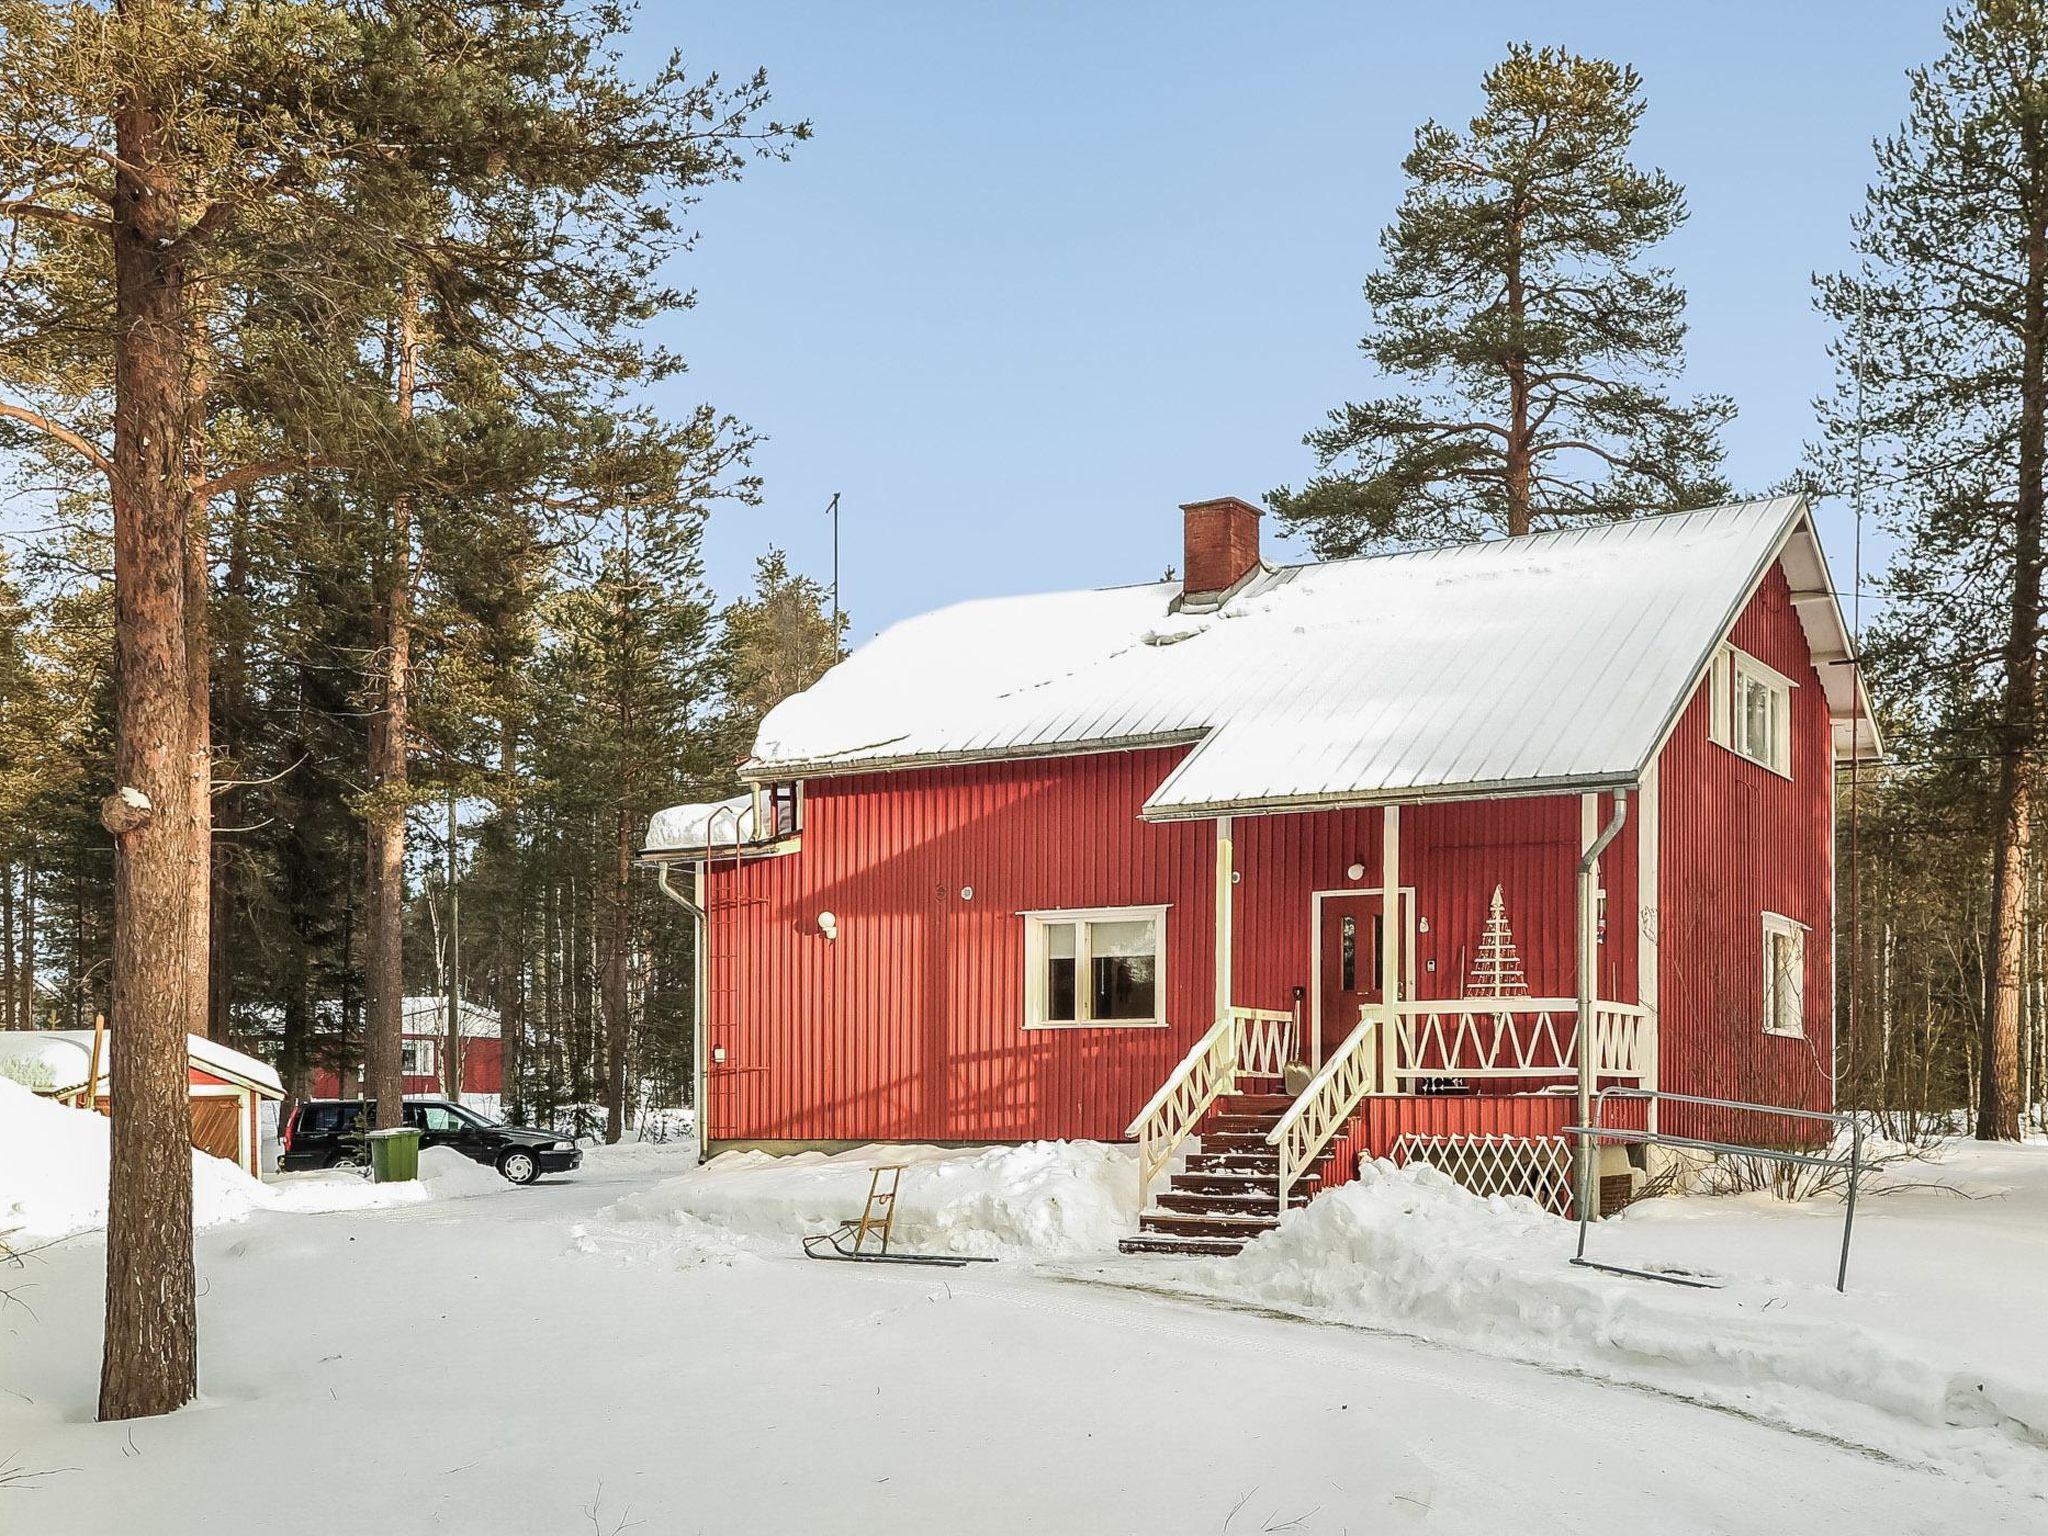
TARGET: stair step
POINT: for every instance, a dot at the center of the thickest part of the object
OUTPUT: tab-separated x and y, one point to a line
1207	1224
1236	1181
1275	1104
1265	1163
1161	1242
1248	1201
1247	1139
1240	1125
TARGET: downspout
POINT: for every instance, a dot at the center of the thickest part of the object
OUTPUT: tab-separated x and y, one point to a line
699	938
1583	1152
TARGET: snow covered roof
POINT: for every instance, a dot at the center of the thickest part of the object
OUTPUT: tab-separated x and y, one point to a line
1507	666
429	1016
60	1060
720	823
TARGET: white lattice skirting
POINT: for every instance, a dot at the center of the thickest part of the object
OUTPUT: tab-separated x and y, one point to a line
1539	1167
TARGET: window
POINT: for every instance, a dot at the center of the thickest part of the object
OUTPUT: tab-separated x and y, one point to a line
416	1058
1751	710
1784	976
1106	966
443	1121
785	810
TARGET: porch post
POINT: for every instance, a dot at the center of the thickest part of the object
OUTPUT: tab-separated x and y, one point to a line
1648	932
1390	941
1225	899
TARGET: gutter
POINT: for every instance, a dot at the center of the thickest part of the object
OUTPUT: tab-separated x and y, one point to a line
701	936
1582	1151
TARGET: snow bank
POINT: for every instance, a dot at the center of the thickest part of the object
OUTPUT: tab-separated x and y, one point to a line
448	1175
53	1177
1408	1250
53	1171
1046	1197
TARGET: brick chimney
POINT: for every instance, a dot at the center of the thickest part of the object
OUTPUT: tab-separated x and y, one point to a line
1222	538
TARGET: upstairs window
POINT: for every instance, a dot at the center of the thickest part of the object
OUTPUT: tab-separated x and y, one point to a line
1751	710
1101	966
1784	976
778	811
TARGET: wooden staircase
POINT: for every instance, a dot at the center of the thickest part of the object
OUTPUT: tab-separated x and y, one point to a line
1229	1191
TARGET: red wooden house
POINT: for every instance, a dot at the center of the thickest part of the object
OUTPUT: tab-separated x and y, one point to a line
1108	863
424	1057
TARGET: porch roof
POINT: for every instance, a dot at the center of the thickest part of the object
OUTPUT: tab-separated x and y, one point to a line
1508	666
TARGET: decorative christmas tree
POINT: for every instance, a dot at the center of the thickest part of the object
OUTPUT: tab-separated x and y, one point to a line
1497	968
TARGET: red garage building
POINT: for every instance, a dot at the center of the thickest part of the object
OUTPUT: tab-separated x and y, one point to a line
1109	863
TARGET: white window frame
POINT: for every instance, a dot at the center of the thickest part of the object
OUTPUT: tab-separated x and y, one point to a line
1732	673
1035	925
426	1058
1776	926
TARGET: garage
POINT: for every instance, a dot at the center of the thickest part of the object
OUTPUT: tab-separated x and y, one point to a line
233	1094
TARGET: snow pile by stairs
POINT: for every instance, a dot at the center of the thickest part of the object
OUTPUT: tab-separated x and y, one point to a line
1045	1197
1409	1251
53	1172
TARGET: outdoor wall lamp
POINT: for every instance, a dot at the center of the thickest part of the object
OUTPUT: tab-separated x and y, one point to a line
828	925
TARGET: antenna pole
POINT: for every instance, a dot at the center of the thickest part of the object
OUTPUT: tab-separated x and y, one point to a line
833	510
1856	707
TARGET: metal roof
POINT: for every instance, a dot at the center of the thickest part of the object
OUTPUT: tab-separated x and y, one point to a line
1506	666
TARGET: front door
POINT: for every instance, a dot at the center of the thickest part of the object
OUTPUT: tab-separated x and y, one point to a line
1353	959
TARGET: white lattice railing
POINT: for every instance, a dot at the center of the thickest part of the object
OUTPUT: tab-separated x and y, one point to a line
1352	1072
1475	1037
1245	1042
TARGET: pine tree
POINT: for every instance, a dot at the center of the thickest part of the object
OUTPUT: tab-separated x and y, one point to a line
1943	393
208	208
1517	298
777	641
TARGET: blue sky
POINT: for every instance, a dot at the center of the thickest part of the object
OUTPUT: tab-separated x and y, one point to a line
1048	270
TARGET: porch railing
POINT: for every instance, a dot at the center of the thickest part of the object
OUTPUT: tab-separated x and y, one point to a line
1245	1042
1502	1037
1352	1072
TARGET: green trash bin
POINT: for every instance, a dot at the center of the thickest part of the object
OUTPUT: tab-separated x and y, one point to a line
394	1155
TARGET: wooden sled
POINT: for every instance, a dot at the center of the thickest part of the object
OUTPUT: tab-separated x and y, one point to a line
877	1219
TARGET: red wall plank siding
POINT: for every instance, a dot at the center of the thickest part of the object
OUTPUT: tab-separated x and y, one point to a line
1739	840
910	1024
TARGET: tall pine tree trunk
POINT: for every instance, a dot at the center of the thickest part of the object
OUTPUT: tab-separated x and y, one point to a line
9	1020
1998	1098
149	1362
617	934
384	897
25	971
508	960
198	654
1520	445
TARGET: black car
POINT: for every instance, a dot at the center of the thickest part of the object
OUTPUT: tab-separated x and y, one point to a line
326	1133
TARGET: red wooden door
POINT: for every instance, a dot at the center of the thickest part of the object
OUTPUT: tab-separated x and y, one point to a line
1352	963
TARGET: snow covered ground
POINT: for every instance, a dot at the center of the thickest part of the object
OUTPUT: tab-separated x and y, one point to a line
638	1346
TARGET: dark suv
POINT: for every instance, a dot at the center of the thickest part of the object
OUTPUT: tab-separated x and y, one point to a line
326	1133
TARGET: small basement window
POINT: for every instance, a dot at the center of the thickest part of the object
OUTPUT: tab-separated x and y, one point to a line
1100	966
1752	710
1784	976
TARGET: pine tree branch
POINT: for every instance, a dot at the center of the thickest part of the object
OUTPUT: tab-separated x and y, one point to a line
251	474
24	209
57	432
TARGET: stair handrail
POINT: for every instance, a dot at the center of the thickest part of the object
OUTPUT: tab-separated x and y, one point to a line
1352	1072
1208	1071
